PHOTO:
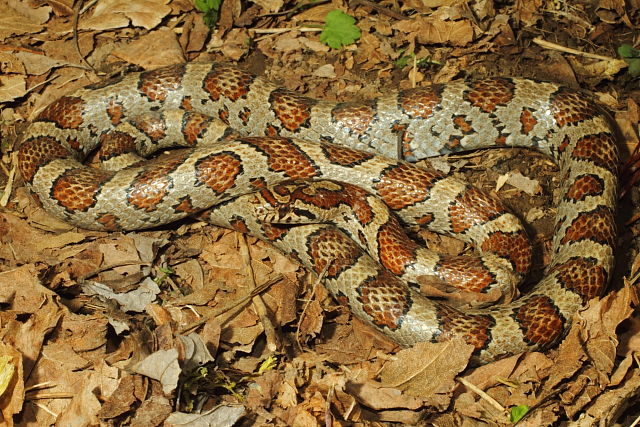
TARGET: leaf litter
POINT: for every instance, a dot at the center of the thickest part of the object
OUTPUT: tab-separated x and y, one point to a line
167	327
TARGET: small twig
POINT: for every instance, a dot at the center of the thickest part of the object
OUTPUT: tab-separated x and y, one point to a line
328	418
97	271
296	8
10	178
258	303
318	281
76	39
47	410
40	386
414	71
379	8
483	395
632	220
7	47
229	307
41	396
269	32
284	30
549	45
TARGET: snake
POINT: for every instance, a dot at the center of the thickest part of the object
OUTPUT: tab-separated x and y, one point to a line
332	184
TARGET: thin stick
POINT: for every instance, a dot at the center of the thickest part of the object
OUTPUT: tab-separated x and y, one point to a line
44	408
284	30
269	32
293	10
76	39
40	396
229	307
40	386
308	301
483	395
258	303
554	46
9	187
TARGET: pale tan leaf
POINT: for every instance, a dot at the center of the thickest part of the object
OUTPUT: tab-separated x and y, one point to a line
163	42
221	416
15	19
270	5
428	370
110	14
12	87
163	366
11	382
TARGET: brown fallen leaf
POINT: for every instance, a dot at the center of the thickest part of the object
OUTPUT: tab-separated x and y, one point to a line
192	351
375	395
428	370
11	383
154	410
84	406
163	366
17	18
135	300
123	398
630	339
12	87
599	321
27	335
110	14
163	42
529	12
429	30
38	64
221	416
607	408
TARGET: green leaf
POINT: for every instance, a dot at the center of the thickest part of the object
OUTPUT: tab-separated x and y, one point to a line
267	365
632	57
517	412
627	51
210	8
634	66
339	30
403	61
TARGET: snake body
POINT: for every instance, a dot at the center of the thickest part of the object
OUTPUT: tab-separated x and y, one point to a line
245	183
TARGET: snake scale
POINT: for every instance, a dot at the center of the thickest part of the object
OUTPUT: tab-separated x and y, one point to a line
295	168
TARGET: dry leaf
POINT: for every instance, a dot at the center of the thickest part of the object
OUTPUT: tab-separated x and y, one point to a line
84	406
164	44
428	370
163	366
38	64
193	351
17	18
135	300
600	320
269	6
123	399
11	382
110	14
376	396
221	416
12	87
630	339
529	11
428	30
523	183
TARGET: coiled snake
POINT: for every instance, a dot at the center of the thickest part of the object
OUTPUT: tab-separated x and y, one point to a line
299	160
